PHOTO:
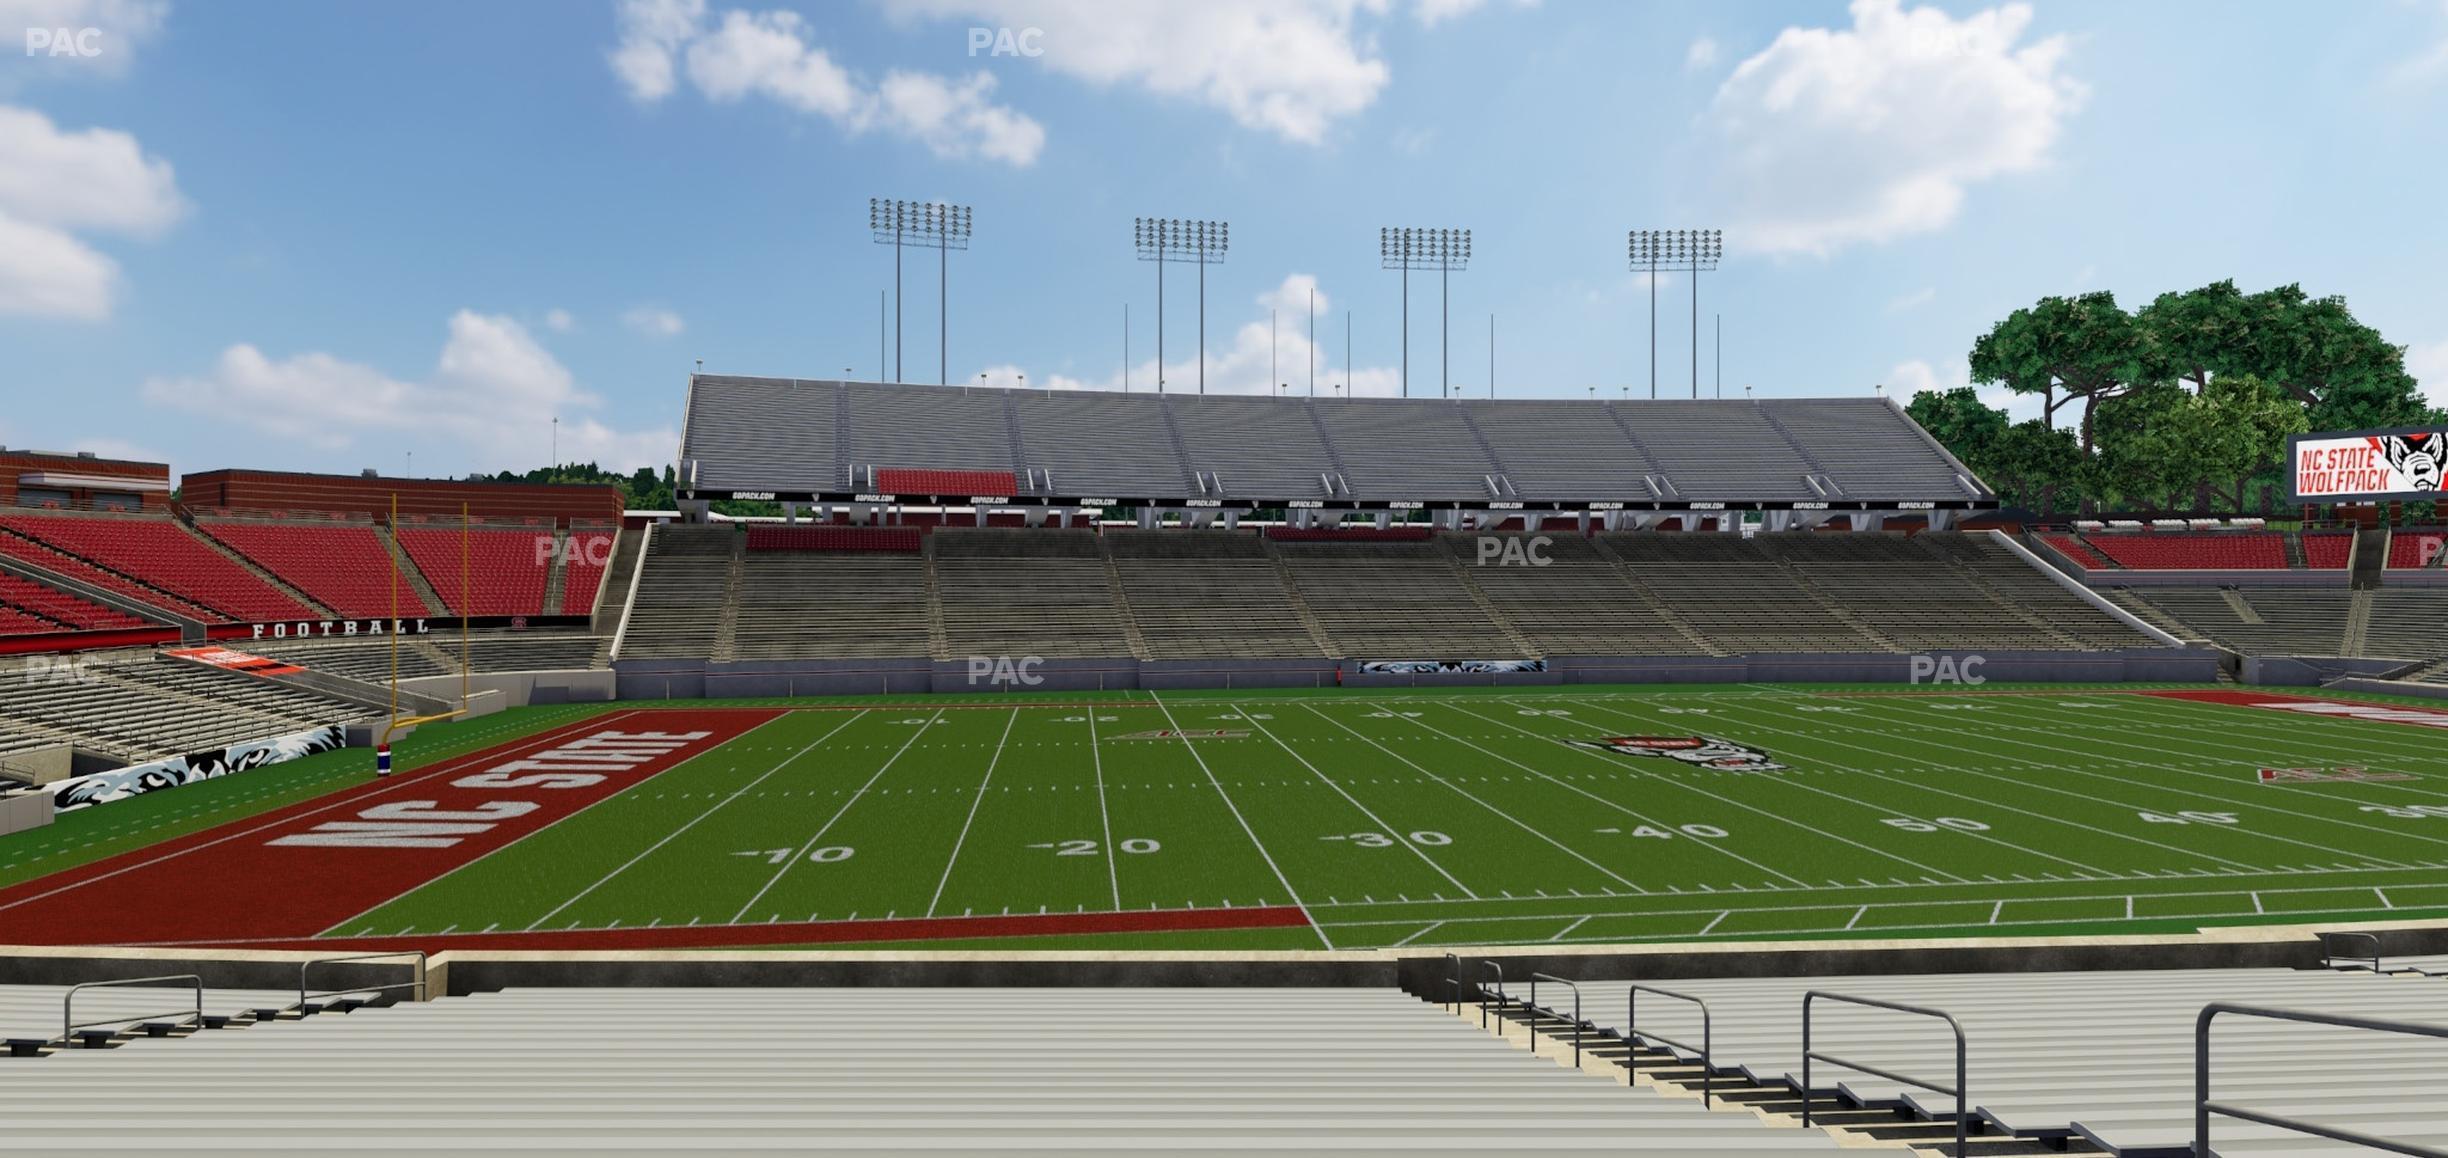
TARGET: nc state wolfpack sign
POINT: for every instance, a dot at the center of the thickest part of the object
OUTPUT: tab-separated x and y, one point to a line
2404	463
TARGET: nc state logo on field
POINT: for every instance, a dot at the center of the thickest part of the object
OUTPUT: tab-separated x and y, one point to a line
1704	751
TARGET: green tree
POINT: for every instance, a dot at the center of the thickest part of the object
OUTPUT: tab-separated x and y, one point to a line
2082	350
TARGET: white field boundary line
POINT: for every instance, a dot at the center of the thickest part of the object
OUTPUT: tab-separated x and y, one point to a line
2262	761
1586	913
430	772
717	806
1113	862
1986	802
2335	732
2153	787
1857	802
1241	820
1348	798
915	735
1517	822
974	803
1426	929
1717	899
1648	775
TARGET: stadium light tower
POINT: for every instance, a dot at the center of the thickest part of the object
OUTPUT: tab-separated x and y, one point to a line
1443	250
1202	243
927	223
1692	249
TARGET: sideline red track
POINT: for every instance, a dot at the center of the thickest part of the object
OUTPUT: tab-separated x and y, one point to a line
814	933
228	883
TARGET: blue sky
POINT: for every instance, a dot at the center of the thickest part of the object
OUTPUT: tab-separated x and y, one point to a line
329	236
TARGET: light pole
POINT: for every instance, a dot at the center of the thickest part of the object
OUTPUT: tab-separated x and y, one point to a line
1693	249
1200	242
1443	250
934	223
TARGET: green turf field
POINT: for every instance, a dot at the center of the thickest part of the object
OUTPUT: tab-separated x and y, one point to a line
1418	820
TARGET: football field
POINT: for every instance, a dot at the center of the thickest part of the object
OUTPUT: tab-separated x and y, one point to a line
1411	819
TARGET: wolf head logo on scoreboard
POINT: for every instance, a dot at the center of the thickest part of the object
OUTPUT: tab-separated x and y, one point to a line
2422	458
1704	751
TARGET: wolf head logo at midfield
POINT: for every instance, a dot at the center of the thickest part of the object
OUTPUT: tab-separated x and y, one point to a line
2421	458
1704	751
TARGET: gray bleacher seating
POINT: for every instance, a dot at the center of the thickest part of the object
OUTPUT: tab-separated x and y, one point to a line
1394	601
2106	1055
683	593
439	653
1578	602
2293	620
136	706
1020	593
1224	1071
1207	595
767	434
808	604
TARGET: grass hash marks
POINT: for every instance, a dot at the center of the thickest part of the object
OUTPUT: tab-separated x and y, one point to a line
1415	819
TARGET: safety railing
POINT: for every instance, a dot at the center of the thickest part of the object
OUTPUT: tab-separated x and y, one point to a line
1453	981
1535	1008
1963	1117
2203	1107
417	984
69	1025
1634	1034
2330	956
1500	995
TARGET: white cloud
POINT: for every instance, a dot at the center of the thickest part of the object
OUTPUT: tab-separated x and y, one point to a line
1836	137
1701	56
118	28
1912	301
654	322
559	321
2429	365
771	55
1240	363
2431	64
493	392
1288	67
57	184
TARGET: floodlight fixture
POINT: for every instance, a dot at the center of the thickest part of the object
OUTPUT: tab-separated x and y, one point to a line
1444	250
938	224
1692	249
1202	243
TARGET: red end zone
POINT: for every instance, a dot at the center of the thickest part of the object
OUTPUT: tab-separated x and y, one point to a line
2314	706
297	871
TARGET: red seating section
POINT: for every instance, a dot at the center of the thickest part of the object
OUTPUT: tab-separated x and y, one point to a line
2328	550
23	600
590	552
2412	549
902	481
1350	534
343	567
165	555
506	570
2073	549
2183	551
28	551
904	540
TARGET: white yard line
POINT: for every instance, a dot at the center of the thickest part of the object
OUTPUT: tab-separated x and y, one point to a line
1354	801
717	806
906	745
1243	821
1113	863
1566	931
974	804
1431	927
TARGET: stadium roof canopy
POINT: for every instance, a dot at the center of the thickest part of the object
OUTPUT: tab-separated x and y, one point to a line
864	442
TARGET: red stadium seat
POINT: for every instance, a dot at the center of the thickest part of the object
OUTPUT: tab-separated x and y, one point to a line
2409	550
1350	534
2072	548
589	553
343	566
2184	551
165	555
507	570
2328	550
899	480
52	610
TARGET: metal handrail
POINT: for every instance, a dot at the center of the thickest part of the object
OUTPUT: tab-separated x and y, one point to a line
2329	956
1963	1118
1535	978
1708	1066
69	1024
418	984
2203	1107
1500	994
1453	979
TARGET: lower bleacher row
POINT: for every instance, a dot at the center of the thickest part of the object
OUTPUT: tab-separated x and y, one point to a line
1179	594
